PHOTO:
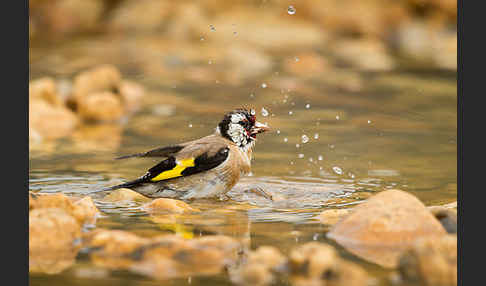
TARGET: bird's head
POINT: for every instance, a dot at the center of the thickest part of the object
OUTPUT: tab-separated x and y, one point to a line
241	127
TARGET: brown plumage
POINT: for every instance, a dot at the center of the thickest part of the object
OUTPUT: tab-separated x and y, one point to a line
206	167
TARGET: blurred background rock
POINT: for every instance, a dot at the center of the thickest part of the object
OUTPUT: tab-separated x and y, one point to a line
369	35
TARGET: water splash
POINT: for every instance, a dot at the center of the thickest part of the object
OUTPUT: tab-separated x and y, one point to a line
291	10
264	112
337	170
305	139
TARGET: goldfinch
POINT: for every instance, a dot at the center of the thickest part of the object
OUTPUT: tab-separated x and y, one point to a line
206	167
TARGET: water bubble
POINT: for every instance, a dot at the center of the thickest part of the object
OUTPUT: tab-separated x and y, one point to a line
297	145
369	121
252	95
320	158
264	85
331	146
291	112
301	155
212	28
337	170
286	139
307	106
278	131
296	59
291	10
337	117
316	136
190	125
310	159
305	139
202	38
291	162
351	175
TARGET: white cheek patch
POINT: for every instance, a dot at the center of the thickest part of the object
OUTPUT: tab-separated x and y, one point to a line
237	134
235	118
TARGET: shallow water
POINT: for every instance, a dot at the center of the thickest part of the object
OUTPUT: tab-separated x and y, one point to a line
397	130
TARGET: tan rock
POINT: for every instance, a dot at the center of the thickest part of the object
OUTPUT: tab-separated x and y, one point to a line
369	55
42	201
123	195
331	217
102	106
131	94
45	89
379	229
161	257
260	267
306	64
83	209
313	259
52	240
316	263
114	247
431	261
446	216
98	79
50	121
143	15
164	205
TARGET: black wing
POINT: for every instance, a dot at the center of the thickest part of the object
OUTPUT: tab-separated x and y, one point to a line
172	168
159	152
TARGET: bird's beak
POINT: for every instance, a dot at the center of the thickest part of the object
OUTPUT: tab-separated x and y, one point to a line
259	128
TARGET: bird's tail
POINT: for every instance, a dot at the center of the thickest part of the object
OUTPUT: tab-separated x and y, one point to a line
124	185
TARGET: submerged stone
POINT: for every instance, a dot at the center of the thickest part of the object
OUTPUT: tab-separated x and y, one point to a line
164	205
316	263
52	240
431	261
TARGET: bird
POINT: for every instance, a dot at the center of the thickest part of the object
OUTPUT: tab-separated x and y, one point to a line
206	167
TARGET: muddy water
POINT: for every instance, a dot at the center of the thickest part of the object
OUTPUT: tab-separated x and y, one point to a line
394	130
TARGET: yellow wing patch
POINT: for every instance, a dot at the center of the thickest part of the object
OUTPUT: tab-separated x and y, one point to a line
176	171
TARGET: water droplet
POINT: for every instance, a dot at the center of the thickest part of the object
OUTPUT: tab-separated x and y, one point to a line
291	162
252	95
316	136
291	10
351	175
307	106
286	139
264	112
301	155
202	38
310	159
320	158
331	146
337	117
212	28
291	112
278	131
337	170
296	59
369	121
297	145
264	85
190	125
305	139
